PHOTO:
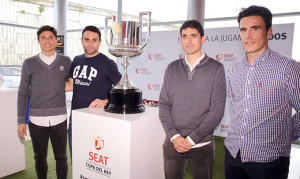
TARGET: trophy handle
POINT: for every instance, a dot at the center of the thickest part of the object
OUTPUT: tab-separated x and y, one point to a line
148	25
113	18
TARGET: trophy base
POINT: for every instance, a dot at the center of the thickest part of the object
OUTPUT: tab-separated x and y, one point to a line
127	101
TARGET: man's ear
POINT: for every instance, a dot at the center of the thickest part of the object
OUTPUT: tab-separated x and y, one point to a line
203	38
270	32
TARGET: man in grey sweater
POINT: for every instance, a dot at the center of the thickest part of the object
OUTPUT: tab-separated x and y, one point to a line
43	79
191	105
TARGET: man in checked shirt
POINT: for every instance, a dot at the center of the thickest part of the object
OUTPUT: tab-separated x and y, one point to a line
264	86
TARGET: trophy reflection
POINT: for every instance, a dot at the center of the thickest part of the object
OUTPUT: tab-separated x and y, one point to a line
124	39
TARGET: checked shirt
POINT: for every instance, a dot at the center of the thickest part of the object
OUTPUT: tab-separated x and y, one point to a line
262	96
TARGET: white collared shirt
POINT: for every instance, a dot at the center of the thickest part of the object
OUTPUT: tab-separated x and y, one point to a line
191	141
46	59
196	63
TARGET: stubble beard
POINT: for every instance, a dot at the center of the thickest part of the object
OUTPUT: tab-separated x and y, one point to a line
90	53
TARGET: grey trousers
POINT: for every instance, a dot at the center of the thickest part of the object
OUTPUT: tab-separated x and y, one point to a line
201	161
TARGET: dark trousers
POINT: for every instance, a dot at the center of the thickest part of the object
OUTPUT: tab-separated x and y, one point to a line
70	136
201	160
40	138
235	169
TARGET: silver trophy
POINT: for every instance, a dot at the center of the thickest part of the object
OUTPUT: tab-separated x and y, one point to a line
124	39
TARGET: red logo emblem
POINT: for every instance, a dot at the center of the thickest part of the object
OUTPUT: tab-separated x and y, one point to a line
98	143
181	55
219	56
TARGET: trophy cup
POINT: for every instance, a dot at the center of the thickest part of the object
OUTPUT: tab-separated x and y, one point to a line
125	40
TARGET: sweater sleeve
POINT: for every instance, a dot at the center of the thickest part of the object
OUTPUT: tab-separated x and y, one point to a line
217	106
165	107
23	94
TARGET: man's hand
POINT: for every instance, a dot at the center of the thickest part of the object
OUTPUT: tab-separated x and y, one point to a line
181	145
22	131
69	85
188	142
98	103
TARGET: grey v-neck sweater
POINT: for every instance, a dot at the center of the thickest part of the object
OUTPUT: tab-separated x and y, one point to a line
192	103
45	84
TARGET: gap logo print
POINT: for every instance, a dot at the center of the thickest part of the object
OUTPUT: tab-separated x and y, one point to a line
83	75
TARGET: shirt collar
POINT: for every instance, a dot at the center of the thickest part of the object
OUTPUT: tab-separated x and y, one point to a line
261	57
196	63
265	54
46	59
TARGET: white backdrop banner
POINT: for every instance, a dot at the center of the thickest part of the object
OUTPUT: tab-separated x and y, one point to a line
223	44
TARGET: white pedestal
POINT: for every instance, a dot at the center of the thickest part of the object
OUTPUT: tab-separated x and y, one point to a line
12	153
129	146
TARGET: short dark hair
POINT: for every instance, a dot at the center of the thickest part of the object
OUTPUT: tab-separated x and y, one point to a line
92	29
194	24
46	28
264	12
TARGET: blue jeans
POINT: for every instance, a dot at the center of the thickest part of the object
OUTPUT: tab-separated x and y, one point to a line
40	137
236	169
